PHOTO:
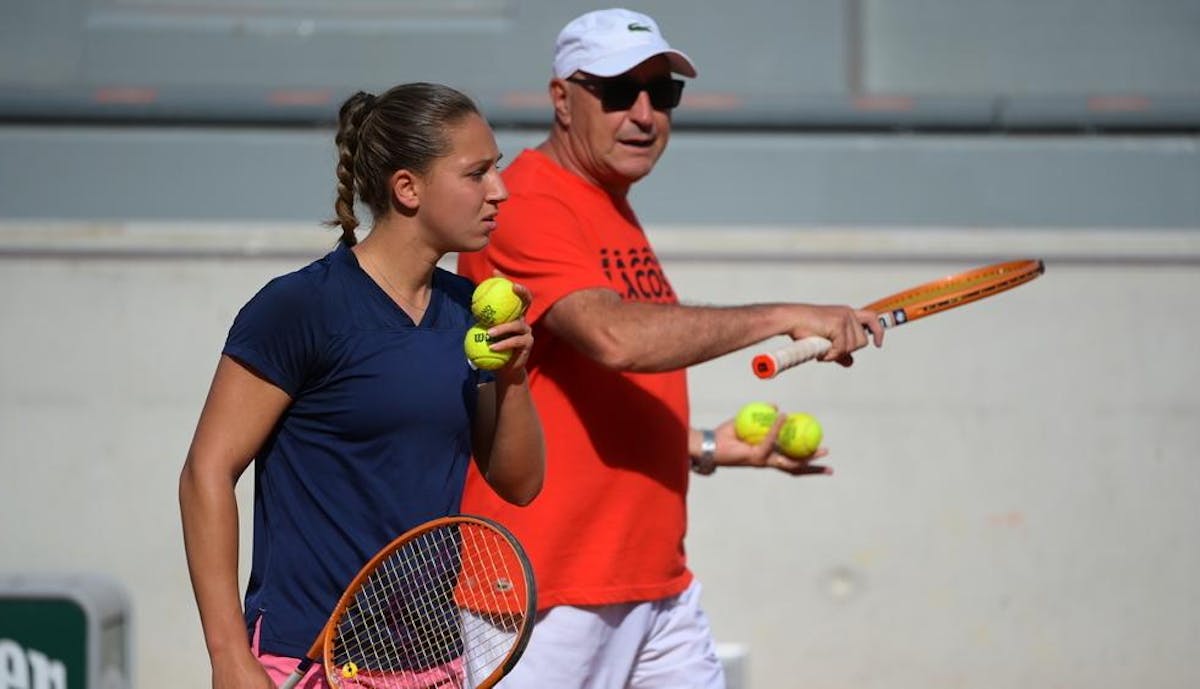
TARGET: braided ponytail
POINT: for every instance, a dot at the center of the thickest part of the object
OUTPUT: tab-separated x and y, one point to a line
350	120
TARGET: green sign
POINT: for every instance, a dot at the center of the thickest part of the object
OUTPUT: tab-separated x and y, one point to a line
43	644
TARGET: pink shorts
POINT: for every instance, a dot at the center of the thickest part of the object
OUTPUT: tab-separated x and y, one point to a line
280	667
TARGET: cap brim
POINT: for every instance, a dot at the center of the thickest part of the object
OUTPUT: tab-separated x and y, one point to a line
624	61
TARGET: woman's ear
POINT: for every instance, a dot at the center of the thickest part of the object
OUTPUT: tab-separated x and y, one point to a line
406	189
558	98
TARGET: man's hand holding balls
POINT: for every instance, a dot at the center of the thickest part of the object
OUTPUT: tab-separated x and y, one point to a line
761	435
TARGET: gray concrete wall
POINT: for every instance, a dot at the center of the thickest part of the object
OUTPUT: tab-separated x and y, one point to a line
1015	492
708	179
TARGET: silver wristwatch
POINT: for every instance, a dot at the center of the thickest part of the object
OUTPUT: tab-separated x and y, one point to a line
706	463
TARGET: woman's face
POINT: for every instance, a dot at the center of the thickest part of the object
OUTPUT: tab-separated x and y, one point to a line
462	191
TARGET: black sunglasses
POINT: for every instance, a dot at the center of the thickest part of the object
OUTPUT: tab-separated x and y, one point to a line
621	94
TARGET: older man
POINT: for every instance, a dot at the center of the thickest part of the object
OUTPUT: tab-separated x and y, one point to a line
619	607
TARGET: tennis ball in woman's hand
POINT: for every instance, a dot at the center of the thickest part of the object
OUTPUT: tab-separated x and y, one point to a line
494	301
754	421
800	436
478	349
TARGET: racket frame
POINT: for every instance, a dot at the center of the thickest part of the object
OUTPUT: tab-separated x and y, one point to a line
322	646
909	305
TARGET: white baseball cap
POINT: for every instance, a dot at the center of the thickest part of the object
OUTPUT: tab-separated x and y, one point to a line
611	42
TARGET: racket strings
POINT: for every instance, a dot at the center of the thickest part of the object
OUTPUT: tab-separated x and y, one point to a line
443	610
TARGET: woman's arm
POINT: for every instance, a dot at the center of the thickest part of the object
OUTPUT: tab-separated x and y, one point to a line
238	415
508	444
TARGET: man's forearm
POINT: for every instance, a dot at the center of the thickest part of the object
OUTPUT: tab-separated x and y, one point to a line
657	337
648	337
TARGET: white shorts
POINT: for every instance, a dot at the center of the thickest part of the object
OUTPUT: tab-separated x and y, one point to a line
662	644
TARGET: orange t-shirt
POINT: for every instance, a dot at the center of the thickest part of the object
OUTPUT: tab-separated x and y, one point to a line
609	524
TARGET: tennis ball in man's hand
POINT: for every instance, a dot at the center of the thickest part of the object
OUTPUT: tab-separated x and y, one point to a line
754	421
480	353
494	301
800	436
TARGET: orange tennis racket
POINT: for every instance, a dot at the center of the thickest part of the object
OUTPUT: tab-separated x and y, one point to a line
449	604
910	305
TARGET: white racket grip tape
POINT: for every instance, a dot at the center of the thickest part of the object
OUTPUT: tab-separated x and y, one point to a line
292	680
796	353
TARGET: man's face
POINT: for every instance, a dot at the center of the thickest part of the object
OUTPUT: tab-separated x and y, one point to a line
616	137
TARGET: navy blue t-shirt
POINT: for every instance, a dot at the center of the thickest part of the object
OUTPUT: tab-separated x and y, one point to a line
377	438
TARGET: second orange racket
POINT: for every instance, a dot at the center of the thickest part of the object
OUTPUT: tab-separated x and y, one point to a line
910	305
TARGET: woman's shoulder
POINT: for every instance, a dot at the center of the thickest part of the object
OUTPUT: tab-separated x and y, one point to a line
298	283
304	290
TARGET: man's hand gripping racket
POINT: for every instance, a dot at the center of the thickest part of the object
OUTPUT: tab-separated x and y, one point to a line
448	605
910	305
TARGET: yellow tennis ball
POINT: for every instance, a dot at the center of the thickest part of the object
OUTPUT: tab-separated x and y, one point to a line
494	302
800	436
478	349
754	421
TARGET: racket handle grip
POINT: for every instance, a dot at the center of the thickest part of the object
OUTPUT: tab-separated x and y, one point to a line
770	365
297	674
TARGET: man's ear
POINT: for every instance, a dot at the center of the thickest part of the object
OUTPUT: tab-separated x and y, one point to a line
559	99
406	189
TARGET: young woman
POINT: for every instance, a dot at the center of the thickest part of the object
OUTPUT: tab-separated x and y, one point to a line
346	383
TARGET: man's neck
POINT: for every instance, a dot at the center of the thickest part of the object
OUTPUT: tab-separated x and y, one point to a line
557	149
